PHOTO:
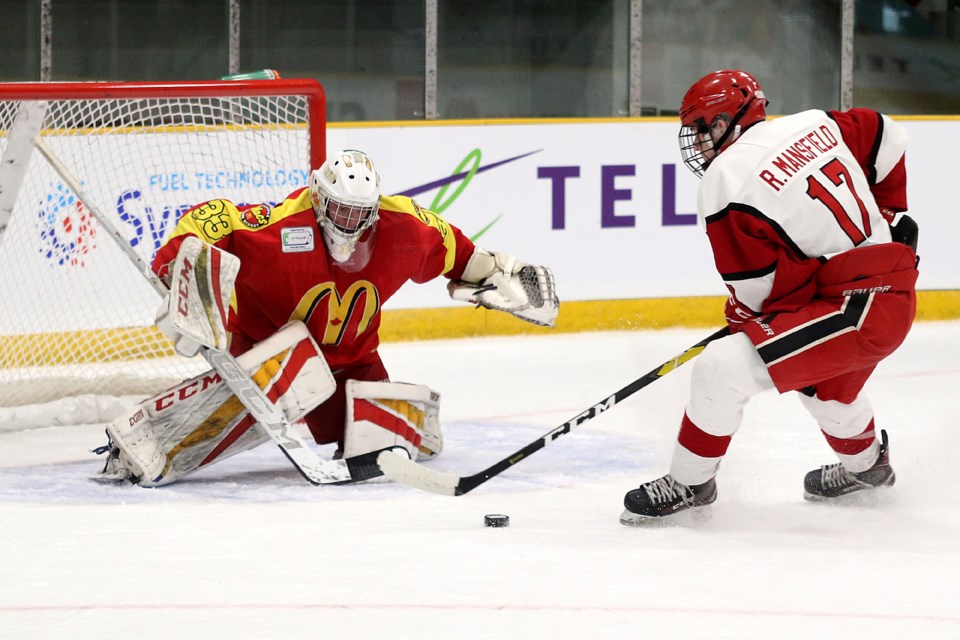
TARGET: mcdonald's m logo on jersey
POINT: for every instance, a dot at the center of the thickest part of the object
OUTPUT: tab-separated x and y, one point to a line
361	298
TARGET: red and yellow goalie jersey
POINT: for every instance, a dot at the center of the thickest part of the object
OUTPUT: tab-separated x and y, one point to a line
286	274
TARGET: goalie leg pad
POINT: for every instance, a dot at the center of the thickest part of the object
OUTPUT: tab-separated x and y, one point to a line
200	421
172	434
387	414
294	373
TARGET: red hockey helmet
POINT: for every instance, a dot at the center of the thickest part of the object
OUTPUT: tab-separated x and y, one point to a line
713	114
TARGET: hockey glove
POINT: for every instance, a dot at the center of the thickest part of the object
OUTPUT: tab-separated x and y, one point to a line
737	313
500	282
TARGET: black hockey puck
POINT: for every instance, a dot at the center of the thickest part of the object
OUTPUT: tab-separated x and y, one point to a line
496	520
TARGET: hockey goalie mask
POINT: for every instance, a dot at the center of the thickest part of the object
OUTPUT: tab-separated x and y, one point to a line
716	110
345	192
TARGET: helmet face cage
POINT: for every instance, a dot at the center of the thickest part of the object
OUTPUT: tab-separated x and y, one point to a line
700	143
346	219
732	99
342	224
346	199
694	141
349	218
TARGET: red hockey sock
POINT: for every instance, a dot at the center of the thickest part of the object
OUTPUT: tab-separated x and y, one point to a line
852	446
701	443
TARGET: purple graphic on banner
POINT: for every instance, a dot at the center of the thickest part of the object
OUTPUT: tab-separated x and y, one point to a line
670	217
609	196
558	192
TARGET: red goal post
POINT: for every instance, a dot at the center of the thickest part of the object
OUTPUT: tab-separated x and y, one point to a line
76	318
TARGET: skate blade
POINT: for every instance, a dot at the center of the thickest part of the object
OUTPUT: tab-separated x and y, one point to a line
111	478
686	518
878	497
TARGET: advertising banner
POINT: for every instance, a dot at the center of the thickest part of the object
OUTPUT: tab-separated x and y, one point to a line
608	205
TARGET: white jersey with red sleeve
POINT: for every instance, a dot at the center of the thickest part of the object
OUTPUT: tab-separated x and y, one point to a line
794	191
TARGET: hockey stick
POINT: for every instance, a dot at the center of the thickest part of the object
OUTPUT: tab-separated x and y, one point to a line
398	467
273	422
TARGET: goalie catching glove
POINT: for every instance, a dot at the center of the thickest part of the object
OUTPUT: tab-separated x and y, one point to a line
503	283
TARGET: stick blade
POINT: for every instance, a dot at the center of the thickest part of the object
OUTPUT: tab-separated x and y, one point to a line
315	470
400	468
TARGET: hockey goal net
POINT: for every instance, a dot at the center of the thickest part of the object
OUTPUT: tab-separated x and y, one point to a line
76	316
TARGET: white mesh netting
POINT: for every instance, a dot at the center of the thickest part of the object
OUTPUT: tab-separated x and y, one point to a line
76	316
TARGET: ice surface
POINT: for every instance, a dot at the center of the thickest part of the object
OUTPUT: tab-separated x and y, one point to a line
247	549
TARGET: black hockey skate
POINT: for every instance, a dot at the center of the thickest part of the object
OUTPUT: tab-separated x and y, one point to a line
665	497
832	481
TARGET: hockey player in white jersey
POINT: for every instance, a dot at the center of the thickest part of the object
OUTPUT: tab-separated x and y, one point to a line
799	212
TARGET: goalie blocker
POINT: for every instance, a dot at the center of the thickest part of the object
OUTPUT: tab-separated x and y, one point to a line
194	312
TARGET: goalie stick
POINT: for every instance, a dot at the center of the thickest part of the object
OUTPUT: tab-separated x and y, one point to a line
397	466
269	418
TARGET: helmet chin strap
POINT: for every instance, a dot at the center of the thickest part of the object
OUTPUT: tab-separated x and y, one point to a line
732	129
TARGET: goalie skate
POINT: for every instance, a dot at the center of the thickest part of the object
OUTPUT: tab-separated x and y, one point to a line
115	469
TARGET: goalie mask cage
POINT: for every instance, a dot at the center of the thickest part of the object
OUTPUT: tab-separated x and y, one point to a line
76	316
